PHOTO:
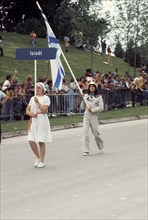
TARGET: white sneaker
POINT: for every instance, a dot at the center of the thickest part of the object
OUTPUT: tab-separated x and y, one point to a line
101	151
85	153
37	161
40	165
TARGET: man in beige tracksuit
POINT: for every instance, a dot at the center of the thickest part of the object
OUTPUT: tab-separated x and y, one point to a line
93	104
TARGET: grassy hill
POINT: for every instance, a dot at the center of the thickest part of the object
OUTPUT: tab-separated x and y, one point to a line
78	60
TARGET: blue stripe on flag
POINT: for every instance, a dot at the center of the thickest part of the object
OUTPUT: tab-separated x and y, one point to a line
53	40
58	79
62	71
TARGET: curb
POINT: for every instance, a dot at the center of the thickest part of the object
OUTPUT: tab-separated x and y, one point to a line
132	118
74	125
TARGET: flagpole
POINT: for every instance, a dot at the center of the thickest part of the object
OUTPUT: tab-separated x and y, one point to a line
71	72
74	78
35	76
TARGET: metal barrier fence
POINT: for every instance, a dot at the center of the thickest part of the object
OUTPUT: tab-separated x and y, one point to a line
67	104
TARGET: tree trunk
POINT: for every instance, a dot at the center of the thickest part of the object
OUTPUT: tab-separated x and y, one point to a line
91	57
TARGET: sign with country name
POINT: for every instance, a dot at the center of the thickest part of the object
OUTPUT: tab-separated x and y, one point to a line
36	53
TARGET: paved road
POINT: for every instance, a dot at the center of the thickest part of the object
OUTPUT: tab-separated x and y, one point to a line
112	185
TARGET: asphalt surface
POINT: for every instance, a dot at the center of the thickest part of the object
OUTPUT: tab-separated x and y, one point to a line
112	185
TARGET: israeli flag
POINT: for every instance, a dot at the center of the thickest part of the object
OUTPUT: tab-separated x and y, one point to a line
57	70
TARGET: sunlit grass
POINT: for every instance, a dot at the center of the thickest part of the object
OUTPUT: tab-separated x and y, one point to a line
78	60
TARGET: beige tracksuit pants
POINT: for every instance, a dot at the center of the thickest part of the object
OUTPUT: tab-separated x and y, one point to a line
91	121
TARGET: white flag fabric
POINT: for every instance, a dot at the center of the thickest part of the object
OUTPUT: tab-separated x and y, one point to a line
57	70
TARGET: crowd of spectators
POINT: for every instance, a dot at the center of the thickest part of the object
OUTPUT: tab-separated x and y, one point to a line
117	92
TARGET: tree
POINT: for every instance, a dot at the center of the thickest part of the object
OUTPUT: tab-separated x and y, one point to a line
119	52
31	24
89	24
128	57
131	22
79	21
16	11
144	53
130	54
77	17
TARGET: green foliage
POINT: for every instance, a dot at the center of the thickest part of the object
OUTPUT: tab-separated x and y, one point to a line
129	55
132	24
132	19
143	50
77	18
30	25
63	18
14	12
119	52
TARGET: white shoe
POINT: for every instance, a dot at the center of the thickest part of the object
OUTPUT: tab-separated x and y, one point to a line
101	151
85	153
37	161
40	165
70	114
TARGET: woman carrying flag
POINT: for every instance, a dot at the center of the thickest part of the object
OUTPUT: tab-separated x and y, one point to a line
39	130
92	103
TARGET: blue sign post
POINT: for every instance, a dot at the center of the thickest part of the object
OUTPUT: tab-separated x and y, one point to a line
35	54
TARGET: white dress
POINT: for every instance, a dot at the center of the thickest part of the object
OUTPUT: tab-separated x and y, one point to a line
39	129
